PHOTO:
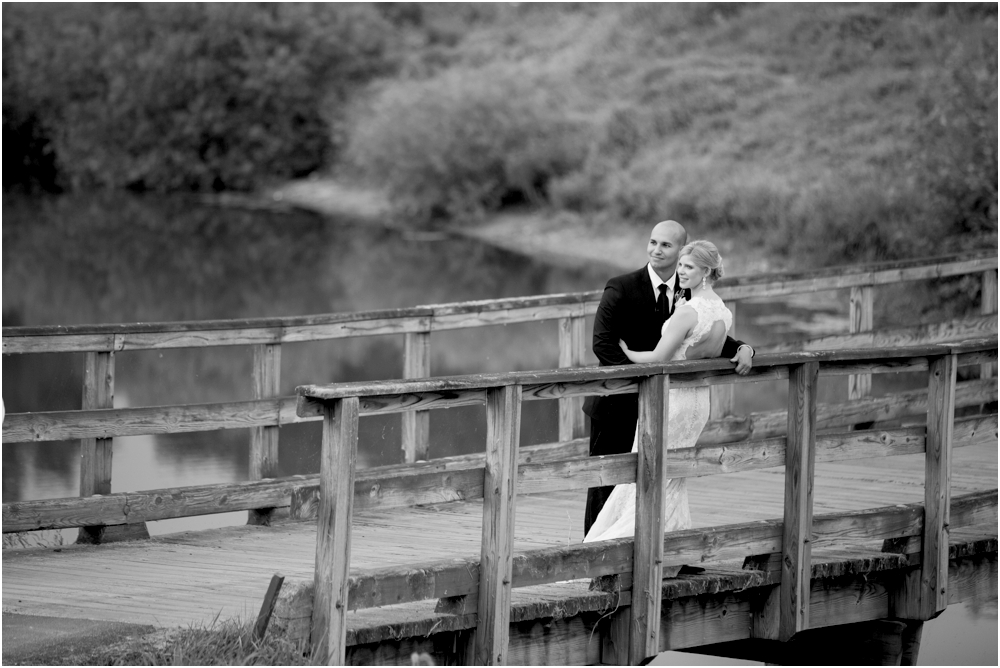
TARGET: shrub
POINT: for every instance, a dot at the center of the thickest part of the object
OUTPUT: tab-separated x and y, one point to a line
955	157
850	221
466	141
187	96
582	190
748	202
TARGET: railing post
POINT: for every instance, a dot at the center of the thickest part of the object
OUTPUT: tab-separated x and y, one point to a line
650	477
503	427
333	531
416	425
572	332
925	592
800	459
859	386
264	440
723	397
96	453
937	483
988	305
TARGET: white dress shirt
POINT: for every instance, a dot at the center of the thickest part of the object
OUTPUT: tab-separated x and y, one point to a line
657	281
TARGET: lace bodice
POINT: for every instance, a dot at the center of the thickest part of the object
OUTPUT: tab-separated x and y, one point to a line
709	309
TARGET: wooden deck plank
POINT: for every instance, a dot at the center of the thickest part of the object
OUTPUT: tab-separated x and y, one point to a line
191	577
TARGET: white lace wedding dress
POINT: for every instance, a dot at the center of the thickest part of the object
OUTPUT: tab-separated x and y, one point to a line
687	413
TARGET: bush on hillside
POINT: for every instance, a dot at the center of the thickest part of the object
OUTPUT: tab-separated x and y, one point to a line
465	142
184	96
939	198
890	154
955	162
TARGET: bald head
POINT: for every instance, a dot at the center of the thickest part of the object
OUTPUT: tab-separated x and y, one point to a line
672	229
665	243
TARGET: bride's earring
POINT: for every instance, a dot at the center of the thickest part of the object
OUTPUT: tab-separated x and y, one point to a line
704	280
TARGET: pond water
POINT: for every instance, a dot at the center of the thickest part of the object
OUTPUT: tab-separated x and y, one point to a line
965	634
119	259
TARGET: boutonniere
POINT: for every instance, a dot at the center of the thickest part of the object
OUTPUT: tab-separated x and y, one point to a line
681	300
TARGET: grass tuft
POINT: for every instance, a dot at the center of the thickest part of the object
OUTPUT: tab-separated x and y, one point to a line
219	643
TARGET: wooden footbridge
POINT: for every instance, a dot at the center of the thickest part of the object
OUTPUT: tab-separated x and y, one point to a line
826	525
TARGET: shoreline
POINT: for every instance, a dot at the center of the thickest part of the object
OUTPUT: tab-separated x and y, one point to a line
551	238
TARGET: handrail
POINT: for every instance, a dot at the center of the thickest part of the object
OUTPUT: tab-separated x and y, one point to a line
542	469
340	407
157	335
189	418
686	373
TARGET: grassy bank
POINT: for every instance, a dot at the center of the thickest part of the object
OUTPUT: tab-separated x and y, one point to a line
222	643
813	133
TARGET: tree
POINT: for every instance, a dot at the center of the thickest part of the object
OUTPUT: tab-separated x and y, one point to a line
188	96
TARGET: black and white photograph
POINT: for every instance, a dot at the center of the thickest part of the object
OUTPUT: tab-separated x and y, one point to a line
482	333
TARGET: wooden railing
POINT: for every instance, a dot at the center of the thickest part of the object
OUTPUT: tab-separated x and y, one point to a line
460	477
99	422
486	584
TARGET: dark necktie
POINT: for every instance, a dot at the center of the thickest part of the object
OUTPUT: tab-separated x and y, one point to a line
661	302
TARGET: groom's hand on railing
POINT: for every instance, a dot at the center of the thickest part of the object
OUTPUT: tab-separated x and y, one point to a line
743	360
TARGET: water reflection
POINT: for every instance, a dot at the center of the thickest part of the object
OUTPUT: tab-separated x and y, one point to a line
112	258
965	634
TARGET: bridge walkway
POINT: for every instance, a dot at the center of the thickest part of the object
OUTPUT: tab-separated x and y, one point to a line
194	577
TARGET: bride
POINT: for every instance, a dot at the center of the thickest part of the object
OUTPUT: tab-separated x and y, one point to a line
702	321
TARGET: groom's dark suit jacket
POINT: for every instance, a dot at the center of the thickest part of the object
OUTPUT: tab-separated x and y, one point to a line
628	311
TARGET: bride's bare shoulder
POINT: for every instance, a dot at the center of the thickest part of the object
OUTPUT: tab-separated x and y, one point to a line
684	314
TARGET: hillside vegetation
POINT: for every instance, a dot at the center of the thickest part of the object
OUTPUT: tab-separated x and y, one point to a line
820	133
834	132
169	97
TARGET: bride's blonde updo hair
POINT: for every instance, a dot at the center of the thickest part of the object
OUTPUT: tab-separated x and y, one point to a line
704	254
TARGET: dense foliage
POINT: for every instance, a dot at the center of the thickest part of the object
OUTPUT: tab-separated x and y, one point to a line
466	142
837	133
828	132
179	96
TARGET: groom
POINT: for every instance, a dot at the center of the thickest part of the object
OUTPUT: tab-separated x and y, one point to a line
634	307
